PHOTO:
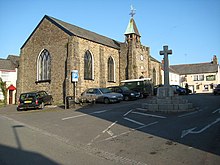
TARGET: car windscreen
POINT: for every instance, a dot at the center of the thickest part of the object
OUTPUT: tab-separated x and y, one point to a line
124	88
105	90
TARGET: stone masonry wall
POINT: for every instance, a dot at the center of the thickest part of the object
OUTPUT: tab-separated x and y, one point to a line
100	55
47	36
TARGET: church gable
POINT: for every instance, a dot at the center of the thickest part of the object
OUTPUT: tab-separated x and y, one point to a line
46	29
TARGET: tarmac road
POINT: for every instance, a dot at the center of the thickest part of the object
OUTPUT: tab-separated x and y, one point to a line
120	133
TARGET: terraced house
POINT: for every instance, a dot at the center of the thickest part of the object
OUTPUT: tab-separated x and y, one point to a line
55	48
201	77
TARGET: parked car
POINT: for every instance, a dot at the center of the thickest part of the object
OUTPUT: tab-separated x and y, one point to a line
142	85
179	90
126	92
216	90
35	100
104	95
176	89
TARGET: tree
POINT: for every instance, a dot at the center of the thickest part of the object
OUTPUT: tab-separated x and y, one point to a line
3	89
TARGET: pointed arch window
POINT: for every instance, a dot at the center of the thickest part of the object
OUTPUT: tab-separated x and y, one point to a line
88	66
111	69
44	66
154	76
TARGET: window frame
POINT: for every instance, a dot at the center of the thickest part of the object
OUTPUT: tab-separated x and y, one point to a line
88	72
44	66
111	69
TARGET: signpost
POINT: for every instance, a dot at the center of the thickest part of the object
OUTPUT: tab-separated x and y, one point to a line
74	79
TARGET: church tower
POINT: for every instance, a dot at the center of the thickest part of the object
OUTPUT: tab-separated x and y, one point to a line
135	60
132	37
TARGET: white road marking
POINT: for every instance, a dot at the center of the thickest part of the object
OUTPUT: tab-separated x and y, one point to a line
191	130
217	110
110	132
145	114
124	133
96	112
105	130
187	114
141	109
128	112
109	127
191	113
133	121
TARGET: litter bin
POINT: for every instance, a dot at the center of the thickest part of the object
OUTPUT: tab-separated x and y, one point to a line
70	102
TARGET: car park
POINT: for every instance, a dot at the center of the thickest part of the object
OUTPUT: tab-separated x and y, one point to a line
126	92
104	95
216	90
36	100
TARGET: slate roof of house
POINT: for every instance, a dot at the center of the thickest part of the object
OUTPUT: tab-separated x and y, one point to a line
14	59
195	68
73	30
10	63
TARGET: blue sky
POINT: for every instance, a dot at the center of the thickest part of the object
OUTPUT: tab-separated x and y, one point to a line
191	28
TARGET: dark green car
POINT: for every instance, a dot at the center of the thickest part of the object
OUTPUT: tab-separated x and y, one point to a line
34	100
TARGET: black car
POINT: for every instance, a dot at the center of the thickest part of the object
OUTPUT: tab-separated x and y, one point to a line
216	90
126	92
35	100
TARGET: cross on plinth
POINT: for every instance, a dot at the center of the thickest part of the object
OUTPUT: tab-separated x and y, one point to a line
166	52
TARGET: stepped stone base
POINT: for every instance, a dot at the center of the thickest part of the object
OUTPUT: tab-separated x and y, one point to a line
168	104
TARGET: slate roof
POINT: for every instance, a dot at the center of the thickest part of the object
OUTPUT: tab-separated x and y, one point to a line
198	68
14	59
73	30
10	63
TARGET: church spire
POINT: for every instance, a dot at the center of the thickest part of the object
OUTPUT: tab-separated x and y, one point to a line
132	27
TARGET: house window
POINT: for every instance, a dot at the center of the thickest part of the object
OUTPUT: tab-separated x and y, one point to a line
44	66
198	77
111	69
210	78
88	66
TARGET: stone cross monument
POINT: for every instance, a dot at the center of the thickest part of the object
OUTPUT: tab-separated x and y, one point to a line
166	101
166	91
166	52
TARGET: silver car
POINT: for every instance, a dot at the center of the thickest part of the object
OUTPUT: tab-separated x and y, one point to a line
101	95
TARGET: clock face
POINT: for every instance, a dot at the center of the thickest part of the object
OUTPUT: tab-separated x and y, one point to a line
142	57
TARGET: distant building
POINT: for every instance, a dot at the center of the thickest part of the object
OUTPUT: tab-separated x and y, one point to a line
201	77
174	77
8	73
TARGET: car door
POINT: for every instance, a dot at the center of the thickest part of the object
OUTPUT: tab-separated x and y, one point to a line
90	95
98	95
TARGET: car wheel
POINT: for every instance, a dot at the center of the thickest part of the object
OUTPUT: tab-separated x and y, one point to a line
42	105
126	98
51	102
106	101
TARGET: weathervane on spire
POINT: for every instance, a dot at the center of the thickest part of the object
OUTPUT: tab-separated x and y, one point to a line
132	13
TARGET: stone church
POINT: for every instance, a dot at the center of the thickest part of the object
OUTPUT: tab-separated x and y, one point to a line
55	48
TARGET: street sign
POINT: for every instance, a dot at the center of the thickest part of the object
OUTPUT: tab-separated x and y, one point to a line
74	75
